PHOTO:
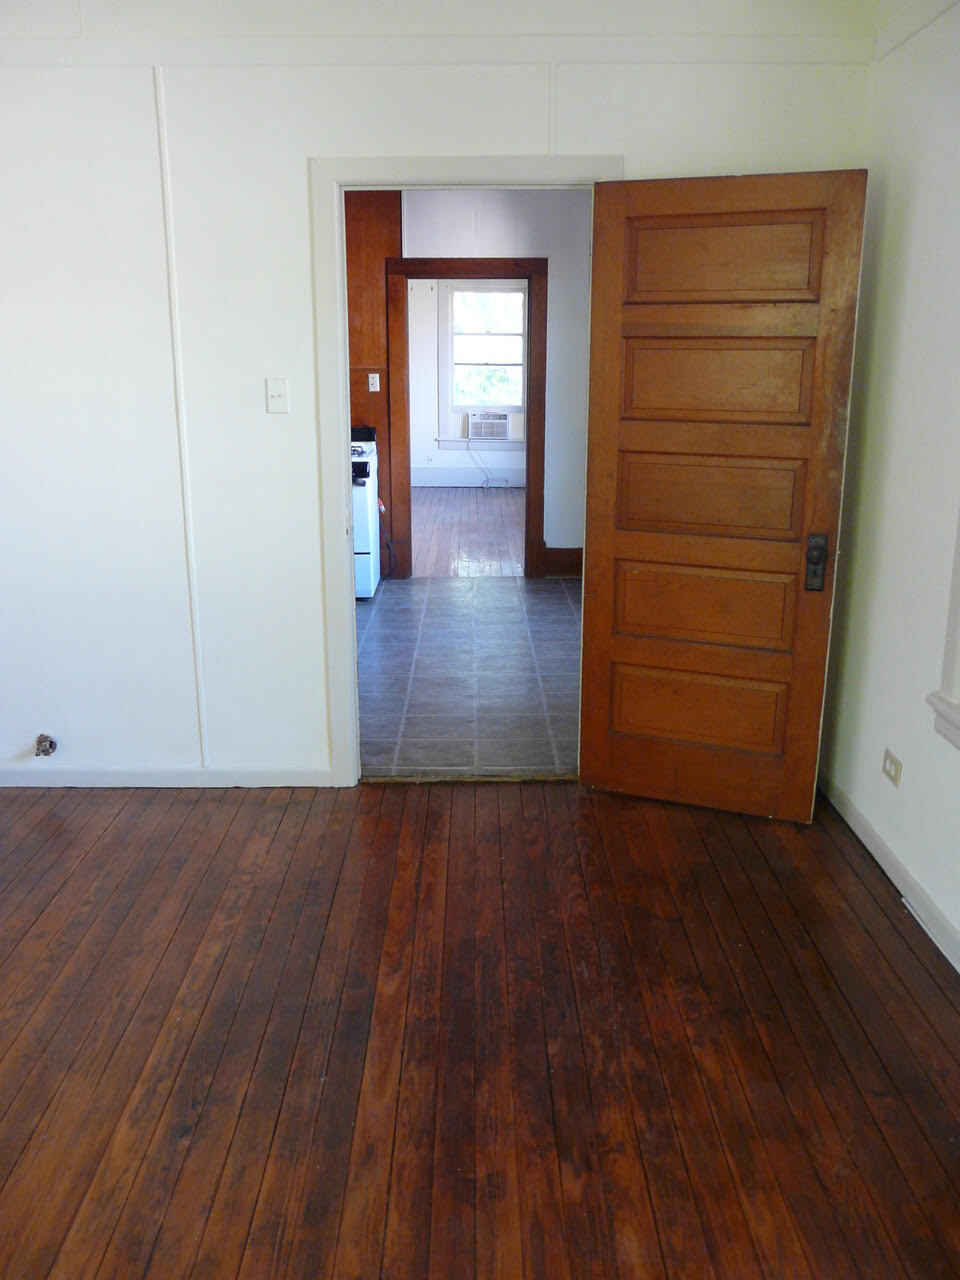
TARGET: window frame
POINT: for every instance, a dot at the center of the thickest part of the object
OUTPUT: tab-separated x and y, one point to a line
445	331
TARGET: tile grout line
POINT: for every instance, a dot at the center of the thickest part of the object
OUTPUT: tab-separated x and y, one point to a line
406	700
543	695
476	683
474	605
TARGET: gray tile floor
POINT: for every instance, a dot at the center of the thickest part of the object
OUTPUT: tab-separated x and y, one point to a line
470	677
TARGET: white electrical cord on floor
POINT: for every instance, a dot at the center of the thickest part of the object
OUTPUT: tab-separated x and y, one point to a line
489	481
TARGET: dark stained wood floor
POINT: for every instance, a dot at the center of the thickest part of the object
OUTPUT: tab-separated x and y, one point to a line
464	1030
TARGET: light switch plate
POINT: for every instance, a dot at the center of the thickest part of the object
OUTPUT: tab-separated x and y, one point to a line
278	395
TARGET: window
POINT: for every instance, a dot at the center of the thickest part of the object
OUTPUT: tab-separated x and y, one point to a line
486	348
482	343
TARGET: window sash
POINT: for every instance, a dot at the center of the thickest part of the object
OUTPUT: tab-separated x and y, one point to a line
465	332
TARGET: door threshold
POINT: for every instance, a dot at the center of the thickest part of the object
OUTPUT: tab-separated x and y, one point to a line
472	775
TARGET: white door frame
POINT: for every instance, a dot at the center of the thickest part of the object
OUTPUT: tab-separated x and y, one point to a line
329	178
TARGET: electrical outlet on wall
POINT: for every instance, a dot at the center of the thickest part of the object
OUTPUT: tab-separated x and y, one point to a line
892	767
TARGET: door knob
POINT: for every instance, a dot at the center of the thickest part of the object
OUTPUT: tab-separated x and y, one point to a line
816	562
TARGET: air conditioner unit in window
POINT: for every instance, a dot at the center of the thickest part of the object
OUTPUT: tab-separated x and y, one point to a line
489	424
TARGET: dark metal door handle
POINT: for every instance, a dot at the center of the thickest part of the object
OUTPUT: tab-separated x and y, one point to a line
816	561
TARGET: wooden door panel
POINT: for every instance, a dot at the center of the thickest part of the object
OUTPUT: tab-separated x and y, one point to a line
712	550
697	707
716	320
736	662
721	606
715	777
714	439
718	379
745	496
725	257
722	325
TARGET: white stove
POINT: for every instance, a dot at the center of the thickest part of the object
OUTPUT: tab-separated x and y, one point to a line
366	518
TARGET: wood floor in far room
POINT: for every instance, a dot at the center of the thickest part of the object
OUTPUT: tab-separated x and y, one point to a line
464	1030
467	532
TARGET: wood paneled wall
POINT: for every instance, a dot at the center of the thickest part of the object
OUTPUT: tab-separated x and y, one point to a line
373	224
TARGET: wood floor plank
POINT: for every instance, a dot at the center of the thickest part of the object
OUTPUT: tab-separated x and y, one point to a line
31	1078
321	1207
147	970
14	801
276	1221
406	1249
543	1222
839	1199
635	1242
154	1041
917	1003
326	832
589	1228
880	889
461	1031
220	978
860	1095
733	1252
362	1223
48	854
185	1215
679	1227
751	1115
453	1206
34	815
63	983
101	1098
498	1230
885	1046
467	531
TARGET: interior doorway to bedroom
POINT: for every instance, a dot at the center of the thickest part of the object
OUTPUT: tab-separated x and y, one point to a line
466	667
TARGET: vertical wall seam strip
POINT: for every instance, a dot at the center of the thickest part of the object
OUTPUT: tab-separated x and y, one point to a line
179	410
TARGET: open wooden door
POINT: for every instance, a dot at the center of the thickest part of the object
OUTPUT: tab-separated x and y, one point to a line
722	332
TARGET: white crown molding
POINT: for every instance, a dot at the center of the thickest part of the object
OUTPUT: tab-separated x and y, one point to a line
310	51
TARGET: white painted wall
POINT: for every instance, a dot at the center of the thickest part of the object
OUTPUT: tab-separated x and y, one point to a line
556	225
94	603
107	369
422	322
903	499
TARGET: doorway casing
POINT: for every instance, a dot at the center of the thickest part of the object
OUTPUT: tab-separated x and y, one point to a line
534	272
329	178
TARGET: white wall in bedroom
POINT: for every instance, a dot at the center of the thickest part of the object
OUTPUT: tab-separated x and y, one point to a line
898	550
171	542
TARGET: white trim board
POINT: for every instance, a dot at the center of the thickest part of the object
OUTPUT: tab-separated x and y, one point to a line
916	900
44	774
305	50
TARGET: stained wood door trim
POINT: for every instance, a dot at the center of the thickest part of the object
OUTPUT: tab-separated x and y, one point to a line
534	271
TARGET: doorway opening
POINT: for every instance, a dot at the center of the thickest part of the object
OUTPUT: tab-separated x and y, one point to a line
440	409
468	654
469	406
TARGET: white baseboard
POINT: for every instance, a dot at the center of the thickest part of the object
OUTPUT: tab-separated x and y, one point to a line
465	477
918	902
49	775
